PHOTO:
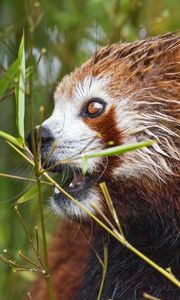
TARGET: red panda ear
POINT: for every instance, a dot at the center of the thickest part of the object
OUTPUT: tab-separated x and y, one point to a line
170	53
156	56
169	49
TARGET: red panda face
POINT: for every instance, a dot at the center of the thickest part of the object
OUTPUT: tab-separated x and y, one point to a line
121	95
81	122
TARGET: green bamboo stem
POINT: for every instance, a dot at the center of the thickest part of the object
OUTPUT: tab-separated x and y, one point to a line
105	265
10	176
109	202
37	172
43	231
147	296
28	236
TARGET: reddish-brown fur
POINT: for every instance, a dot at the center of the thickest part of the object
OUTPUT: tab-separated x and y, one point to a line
69	247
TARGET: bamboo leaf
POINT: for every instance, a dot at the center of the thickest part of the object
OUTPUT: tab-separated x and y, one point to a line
118	149
11	138
16	69
20	91
31	193
8	77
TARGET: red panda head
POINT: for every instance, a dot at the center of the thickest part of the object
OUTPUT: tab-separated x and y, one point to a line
125	93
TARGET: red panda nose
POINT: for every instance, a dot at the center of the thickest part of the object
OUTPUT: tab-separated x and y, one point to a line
46	135
42	136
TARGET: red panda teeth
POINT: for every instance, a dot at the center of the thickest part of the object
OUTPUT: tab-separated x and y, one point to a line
77	181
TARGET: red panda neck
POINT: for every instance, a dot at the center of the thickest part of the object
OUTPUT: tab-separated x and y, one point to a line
127	275
135	198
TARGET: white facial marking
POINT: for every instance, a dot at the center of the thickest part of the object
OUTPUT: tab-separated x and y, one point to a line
92	88
67	126
75	210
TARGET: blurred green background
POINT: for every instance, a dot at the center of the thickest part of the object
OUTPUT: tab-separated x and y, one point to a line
70	31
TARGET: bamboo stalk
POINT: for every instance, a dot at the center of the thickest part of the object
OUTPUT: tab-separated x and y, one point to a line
105	265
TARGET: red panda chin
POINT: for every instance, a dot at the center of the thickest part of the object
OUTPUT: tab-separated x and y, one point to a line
83	188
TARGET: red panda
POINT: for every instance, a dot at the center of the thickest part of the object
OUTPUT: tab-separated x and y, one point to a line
125	93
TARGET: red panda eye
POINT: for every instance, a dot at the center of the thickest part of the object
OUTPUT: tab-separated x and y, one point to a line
94	108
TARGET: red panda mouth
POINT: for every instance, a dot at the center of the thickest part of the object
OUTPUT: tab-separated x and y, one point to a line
78	186
73	181
78	183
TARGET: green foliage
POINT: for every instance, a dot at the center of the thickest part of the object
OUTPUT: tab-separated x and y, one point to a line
17	68
8	77
63	34
30	194
20	91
